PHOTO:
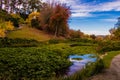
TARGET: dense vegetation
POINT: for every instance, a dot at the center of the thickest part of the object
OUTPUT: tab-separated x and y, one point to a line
20	63
35	42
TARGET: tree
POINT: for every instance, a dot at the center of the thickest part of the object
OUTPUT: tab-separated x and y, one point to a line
34	5
1	4
5	26
93	36
6	3
117	33
32	17
118	23
44	18
75	34
59	18
13	6
54	19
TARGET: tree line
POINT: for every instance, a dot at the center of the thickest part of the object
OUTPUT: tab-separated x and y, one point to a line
17	6
50	17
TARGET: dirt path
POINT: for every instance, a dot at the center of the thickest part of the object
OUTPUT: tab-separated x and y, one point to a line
113	73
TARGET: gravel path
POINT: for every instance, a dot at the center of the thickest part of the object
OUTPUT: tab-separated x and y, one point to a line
113	73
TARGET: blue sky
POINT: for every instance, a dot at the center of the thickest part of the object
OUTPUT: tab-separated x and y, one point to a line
93	16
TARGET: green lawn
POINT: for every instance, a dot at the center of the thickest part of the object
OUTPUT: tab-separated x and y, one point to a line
29	33
108	58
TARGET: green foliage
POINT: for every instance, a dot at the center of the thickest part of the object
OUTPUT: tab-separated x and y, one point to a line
6	42
18	18
108	46
108	58
56	41
117	33
90	70
4	15
35	23
31	63
14	18
84	40
33	17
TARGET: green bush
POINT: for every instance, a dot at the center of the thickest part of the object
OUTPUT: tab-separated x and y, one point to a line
84	40
35	23
7	17
53	41
108	46
56	41
30	63
4	15
6	42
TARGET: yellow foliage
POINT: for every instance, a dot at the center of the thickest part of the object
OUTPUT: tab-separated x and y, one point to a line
9	25
4	26
2	32
31	16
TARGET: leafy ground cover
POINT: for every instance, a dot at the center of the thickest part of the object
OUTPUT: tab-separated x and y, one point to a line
37	63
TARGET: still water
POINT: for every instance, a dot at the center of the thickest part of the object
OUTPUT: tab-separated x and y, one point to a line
79	62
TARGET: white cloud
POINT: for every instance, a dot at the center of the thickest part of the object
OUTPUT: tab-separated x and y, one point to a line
84	10
81	14
96	32
110	20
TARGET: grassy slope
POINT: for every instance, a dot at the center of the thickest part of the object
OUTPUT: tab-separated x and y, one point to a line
108	58
30	33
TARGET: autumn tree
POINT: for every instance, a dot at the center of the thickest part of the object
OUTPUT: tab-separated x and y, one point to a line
93	36
59	19
44	17
54	19
75	33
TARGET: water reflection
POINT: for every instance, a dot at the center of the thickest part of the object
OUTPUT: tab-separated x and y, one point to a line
79	64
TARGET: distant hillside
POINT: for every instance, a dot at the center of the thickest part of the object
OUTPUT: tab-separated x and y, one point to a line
29	33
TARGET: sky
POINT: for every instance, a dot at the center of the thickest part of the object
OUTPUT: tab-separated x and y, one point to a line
93	16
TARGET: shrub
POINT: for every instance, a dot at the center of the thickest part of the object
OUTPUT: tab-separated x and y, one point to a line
32	16
18	18
35	23
6	42
4	15
4	27
57	40
108	46
30	63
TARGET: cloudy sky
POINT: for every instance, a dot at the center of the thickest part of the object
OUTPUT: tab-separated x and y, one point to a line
93	16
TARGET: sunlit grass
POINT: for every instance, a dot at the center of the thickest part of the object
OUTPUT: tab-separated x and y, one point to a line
29	33
108	58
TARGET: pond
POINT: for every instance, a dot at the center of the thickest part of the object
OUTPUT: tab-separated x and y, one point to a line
79	62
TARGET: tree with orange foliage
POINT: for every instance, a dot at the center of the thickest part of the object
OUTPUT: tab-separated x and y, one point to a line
59	19
54	19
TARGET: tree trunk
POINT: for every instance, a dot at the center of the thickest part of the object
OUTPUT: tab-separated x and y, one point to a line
1	4
56	30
